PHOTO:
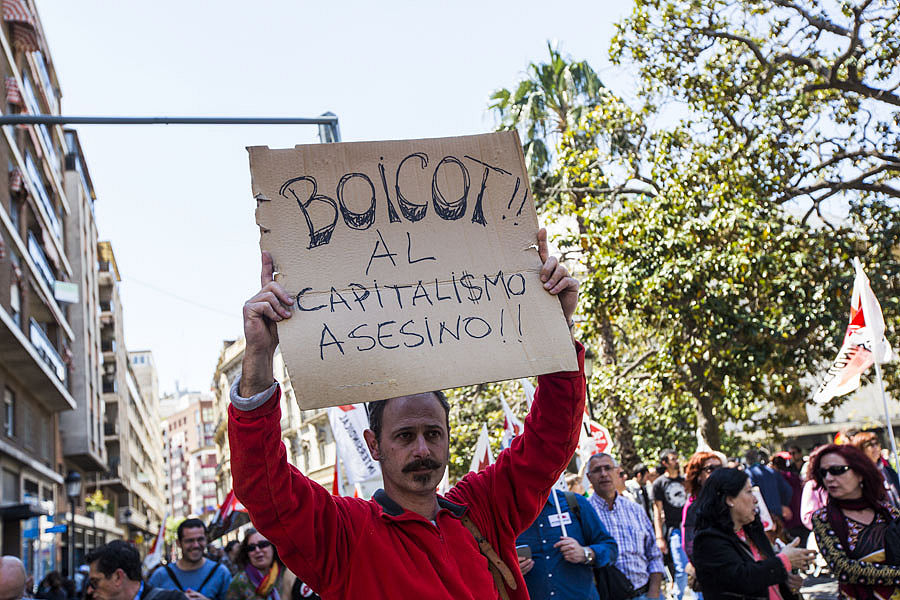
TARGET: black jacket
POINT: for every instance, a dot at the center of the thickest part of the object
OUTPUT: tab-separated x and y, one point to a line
727	570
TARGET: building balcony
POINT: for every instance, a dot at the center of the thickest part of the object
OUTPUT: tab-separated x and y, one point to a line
40	370
46	351
132	518
112	479
36	252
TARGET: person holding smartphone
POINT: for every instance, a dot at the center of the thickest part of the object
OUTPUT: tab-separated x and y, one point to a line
562	547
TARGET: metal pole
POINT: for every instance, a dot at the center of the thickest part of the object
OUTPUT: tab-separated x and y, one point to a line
70	533
887	416
328	120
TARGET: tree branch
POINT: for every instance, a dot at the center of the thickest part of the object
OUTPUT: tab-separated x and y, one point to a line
635	364
855	86
816	21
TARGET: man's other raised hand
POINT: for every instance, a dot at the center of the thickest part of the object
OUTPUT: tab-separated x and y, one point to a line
556	278
261	313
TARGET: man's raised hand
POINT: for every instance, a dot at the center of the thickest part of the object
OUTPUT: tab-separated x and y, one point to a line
261	313
556	278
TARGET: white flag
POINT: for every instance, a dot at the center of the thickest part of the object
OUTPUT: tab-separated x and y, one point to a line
529	391
864	342
154	556
512	426
444	486
482	456
347	424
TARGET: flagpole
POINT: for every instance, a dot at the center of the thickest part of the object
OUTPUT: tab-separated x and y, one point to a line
559	512
887	416
337	469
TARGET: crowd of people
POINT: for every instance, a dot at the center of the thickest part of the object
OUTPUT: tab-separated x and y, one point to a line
505	531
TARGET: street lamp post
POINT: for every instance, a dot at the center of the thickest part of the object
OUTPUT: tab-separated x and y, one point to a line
73	491
589	357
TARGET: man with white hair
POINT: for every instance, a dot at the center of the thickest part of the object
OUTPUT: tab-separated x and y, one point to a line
640	560
12	578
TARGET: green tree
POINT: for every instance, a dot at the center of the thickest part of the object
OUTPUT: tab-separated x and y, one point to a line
806	88
701	242
546	104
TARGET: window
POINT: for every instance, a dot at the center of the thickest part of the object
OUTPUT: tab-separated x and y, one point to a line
14	213
10	492
9	412
15	302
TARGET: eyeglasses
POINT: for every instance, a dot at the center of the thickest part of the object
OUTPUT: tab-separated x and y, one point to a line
834	470
261	545
602	469
710	468
94	582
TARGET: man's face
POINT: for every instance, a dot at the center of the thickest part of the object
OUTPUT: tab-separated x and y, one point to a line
796	457
414	445
192	544
103	587
641	478
602	474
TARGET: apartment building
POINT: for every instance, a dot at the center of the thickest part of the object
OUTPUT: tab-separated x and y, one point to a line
37	335
83	431
189	454
131	481
306	433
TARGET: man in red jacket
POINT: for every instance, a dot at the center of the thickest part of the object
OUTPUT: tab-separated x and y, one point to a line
407	542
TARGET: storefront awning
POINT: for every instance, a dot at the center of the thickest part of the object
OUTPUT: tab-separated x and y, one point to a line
25	510
22	25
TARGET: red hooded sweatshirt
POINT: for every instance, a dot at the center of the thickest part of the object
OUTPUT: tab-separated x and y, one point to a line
354	549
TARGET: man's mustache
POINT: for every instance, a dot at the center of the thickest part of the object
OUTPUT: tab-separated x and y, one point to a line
422	463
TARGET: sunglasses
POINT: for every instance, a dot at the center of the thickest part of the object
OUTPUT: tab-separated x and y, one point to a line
261	545
834	470
710	468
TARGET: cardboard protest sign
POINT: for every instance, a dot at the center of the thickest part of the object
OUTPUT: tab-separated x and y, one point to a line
412	265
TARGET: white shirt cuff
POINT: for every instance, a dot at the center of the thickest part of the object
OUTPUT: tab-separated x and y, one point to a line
254	401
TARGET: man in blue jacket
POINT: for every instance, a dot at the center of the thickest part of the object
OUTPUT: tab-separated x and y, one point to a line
561	566
775	490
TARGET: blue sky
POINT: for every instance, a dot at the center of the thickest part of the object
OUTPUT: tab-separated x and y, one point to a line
175	200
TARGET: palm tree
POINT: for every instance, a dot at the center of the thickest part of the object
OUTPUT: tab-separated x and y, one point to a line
546	104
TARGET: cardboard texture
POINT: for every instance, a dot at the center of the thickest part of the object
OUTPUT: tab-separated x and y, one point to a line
413	265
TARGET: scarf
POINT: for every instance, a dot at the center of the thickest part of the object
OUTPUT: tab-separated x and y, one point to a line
838	521
835	515
265	585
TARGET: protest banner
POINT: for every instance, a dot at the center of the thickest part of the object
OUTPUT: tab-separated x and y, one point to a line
412	265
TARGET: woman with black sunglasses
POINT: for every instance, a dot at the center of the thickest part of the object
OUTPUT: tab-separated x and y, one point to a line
851	528
261	574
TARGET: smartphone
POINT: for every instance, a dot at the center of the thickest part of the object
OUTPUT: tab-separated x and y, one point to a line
523	551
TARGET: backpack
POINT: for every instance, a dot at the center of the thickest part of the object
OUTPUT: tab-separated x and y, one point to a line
611	583
200	587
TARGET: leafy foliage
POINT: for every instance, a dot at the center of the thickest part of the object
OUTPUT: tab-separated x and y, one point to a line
472	406
808	88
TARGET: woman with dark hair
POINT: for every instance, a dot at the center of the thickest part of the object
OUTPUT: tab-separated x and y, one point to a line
850	529
52	587
261	574
868	442
732	555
